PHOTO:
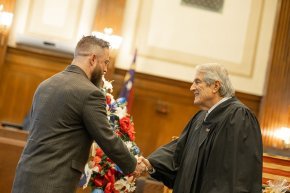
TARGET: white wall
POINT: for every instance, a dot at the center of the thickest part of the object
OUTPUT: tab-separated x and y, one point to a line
61	23
172	38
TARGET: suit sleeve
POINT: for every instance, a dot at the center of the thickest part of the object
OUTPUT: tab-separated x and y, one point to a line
97	124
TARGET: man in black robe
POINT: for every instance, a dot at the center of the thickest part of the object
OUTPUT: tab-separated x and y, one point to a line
220	149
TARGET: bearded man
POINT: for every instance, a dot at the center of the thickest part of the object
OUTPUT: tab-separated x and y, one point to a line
68	113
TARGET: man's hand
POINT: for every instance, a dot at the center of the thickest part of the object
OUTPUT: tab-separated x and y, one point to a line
140	167
146	162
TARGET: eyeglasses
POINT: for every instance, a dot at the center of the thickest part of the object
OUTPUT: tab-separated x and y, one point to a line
107	62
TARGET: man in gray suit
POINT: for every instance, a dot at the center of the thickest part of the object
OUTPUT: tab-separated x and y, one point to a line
68	113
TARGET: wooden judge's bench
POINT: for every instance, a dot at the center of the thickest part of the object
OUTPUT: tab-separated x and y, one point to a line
13	140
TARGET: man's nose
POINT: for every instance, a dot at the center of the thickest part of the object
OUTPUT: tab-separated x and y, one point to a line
192	88
105	69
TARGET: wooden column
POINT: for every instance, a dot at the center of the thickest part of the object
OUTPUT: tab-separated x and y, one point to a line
275	106
8	6
110	13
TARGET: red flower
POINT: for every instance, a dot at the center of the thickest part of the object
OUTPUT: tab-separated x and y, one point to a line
125	123
110	177
99	181
108	99
99	166
97	159
127	127
110	188
99	152
118	132
131	136
109	160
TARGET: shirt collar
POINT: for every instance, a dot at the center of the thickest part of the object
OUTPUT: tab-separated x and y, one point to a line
218	103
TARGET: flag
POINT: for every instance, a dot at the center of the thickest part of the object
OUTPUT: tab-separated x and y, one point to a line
127	91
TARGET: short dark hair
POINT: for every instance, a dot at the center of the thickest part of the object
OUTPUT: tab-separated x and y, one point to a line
90	43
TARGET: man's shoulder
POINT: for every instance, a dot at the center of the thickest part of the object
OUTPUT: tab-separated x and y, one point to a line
75	82
237	104
239	110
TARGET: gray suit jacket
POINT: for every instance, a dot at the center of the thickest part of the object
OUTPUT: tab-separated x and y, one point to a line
68	113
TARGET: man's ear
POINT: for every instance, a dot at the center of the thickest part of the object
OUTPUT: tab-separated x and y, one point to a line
217	86
93	58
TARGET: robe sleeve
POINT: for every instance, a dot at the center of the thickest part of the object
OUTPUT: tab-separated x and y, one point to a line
247	157
162	161
165	160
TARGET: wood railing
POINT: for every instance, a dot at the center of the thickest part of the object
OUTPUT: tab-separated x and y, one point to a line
275	167
12	142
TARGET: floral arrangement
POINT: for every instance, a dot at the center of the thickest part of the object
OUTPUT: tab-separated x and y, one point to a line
277	186
101	174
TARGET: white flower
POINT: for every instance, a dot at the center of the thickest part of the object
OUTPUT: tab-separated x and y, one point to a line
88	172
277	186
107	85
125	184
121	112
129	144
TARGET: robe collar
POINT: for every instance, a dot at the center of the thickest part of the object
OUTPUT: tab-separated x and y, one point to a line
219	109
214	106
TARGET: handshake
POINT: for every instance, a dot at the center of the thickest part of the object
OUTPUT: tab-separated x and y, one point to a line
143	165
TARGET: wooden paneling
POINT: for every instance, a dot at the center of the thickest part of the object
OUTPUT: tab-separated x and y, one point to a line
275	106
8	132
148	185
10	151
12	142
8	5
110	13
22	72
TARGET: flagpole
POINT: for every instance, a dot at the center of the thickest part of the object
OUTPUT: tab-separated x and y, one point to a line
127	90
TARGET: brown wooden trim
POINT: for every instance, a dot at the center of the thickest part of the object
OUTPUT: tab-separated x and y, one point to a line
276	101
12	142
276	172
13	133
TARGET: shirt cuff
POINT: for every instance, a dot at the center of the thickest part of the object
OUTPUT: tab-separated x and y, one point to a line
151	171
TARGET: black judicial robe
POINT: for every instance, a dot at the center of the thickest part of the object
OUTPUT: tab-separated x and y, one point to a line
222	154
